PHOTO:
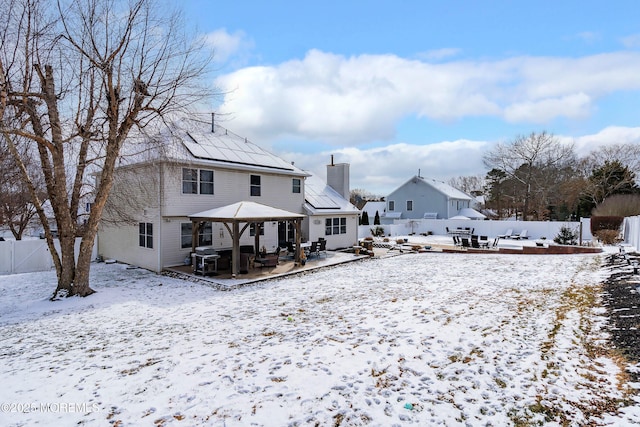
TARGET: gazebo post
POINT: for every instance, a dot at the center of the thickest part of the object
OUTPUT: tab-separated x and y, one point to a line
298	242
195	228
256	240
235	251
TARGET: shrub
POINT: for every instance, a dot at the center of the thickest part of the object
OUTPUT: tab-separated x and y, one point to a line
608	237
599	223
618	205
566	236
378	231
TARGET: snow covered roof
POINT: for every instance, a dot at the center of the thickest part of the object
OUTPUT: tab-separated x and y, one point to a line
320	198
471	213
442	187
372	207
196	141
245	212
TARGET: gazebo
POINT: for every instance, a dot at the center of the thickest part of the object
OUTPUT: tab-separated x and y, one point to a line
231	216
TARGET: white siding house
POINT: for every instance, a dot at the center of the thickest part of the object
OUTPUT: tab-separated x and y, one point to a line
330	215
196	168
425	198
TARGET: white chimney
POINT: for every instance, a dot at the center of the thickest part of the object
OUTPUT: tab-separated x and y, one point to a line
338	178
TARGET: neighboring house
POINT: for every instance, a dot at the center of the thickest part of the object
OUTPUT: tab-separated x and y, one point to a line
330	214
425	198
196	168
371	207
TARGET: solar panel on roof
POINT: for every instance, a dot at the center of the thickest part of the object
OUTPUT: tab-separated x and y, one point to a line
223	148
320	200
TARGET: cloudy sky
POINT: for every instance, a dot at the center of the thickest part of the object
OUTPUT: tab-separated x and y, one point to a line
393	87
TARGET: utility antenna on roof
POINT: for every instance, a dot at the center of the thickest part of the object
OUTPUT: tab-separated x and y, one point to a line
419	174
213	122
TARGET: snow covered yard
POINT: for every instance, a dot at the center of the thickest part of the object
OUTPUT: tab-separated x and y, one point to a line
417	339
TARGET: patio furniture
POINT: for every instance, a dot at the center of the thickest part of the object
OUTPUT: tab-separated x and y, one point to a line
506	235
291	251
484	241
313	249
465	242
523	235
323	247
205	263
268	260
474	241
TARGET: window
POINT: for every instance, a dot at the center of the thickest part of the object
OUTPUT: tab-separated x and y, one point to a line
296	185
205	234
145	235
409	205
197	181
252	229
335	226
255	185
206	181
392	205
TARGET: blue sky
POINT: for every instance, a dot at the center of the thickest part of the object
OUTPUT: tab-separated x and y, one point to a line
393	87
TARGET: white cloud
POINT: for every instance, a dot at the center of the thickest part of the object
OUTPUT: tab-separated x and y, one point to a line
631	41
607	136
542	111
227	45
381	170
352	100
439	54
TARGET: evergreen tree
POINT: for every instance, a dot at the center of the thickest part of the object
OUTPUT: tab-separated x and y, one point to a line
376	219
364	219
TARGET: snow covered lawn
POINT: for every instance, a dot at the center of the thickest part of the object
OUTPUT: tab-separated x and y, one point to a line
421	339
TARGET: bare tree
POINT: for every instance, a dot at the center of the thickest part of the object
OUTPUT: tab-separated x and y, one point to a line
77	77
529	161
473	185
17	210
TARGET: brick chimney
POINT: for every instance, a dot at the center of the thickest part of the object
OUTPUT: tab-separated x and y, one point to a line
338	178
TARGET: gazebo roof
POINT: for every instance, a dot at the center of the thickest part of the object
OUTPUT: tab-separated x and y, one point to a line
245	212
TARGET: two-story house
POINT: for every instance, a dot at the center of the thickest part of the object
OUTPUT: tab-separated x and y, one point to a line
421	197
194	168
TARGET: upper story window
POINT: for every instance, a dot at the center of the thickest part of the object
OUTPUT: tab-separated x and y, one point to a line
296	185
409	205
255	185
197	181
392	205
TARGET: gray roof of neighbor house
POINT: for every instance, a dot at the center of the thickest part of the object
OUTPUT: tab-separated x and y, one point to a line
320	198
203	143
442	187
372	206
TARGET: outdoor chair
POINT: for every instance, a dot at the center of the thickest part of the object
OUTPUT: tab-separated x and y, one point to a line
484	241
523	235
507	235
291	251
313	250
474	242
465	242
322	247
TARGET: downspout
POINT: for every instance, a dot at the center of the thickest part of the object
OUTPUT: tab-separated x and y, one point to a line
161	219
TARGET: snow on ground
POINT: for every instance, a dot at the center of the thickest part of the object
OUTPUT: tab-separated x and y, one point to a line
416	339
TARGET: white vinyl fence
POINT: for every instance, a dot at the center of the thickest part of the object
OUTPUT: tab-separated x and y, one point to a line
631	231
535	229
26	256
